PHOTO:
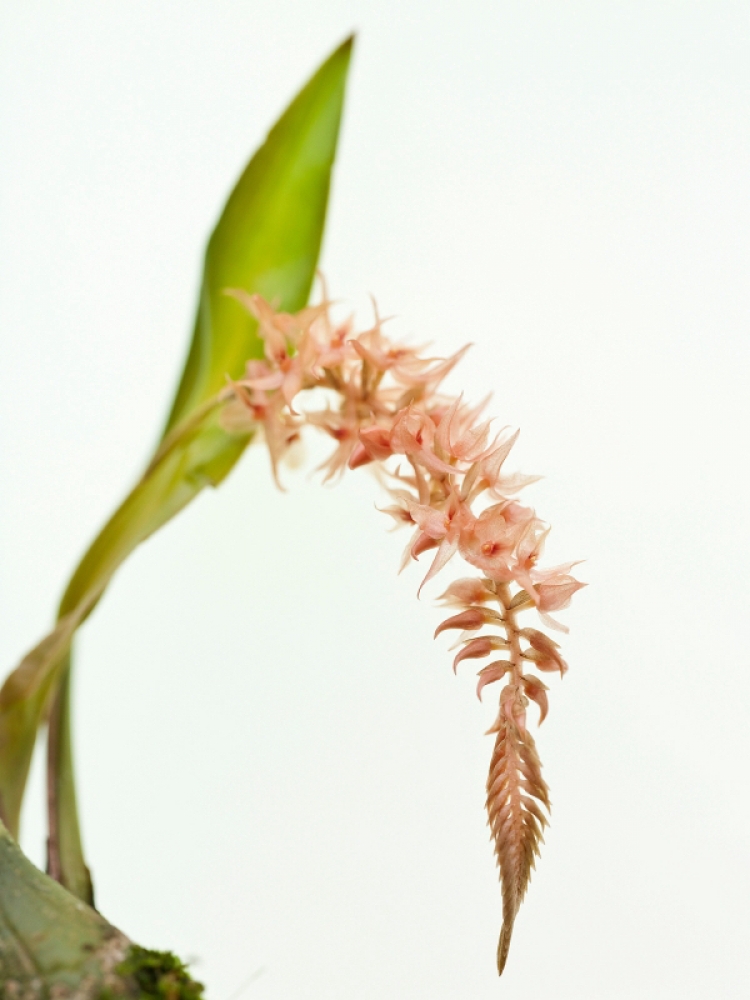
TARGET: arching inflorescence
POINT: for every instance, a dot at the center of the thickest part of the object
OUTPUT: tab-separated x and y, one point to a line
450	488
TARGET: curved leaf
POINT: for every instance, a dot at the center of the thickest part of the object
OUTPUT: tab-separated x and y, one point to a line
267	240
182	467
269	234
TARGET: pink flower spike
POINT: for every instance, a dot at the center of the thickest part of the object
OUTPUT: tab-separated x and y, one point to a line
439	458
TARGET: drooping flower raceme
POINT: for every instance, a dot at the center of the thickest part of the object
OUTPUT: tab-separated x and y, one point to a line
449	486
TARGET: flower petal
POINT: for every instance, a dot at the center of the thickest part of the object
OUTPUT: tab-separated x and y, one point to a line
493	672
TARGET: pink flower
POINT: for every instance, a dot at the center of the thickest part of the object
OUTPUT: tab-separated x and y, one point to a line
493	672
469	590
543	651
413	434
555	587
471	618
252	407
475	649
444	524
528	550
490	475
491	544
343	427
403	363
459	436
287	374
374	445
533	688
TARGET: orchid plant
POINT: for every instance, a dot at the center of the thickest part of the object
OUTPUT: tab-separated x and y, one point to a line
256	354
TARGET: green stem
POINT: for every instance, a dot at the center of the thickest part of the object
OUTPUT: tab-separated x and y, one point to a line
65	861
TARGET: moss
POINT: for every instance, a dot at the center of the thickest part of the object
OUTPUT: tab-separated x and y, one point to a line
155	975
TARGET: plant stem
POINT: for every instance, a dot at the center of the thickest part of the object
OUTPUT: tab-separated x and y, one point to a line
65	861
511	631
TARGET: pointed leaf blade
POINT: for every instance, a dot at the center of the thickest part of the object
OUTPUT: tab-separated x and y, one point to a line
269	235
267	240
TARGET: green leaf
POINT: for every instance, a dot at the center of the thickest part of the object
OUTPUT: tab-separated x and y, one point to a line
65	861
181	468
22	701
267	240
268	237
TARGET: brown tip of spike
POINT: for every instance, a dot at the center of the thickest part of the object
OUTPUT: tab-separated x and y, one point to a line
503	947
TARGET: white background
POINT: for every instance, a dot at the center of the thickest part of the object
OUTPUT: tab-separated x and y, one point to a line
279	773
